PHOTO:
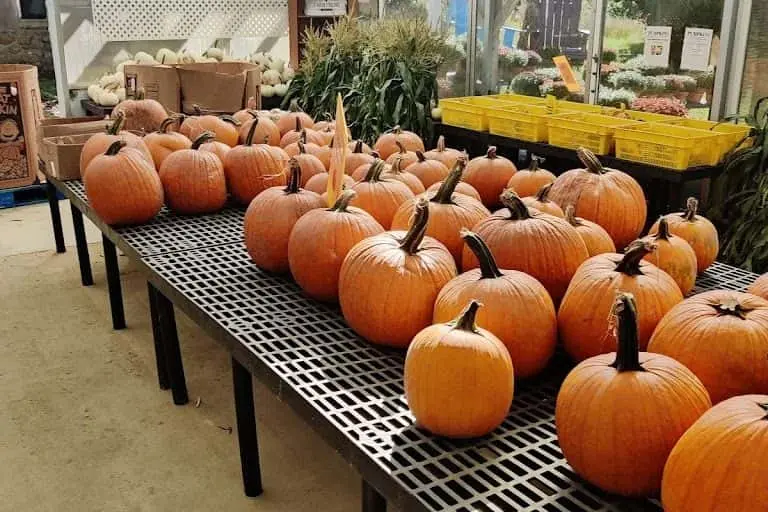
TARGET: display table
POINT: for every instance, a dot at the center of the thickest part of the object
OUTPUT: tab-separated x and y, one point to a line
348	390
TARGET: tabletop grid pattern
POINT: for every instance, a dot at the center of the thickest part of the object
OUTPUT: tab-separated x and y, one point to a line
359	389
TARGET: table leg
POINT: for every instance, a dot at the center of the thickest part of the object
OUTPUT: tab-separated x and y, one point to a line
171	349
113	283
53	204
372	500
246	429
83	258
162	366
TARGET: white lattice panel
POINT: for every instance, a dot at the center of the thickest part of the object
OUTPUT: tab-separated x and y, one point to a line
131	20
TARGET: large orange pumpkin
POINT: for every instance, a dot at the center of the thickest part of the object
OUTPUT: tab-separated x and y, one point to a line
251	169
541	202
122	186
529	181
98	143
606	196
448	367
225	128
449	213
380	196
585	313
428	171
619	415
699	232
759	287
270	218
539	244
397	172
386	144
141	115
489	174
446	156
320	241
517	309
266	131
358	157
674	256
389	282
461	188
319	183
597	240
719	463
163	142
722	336
288	120
193	181
407	158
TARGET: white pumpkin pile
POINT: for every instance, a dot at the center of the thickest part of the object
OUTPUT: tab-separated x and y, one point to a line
276	76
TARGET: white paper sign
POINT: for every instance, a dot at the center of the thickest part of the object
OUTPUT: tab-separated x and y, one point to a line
696	47
656	50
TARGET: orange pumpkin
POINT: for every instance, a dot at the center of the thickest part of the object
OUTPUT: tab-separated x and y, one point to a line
141	115
310	164
699	232
98	143
597	240
388	283
357	158
542	202
584	316
606	196
326	134
251	169
266	131
407	158
450	365
364	148
461	188
217	148
397	173
224	127
386	144
362	171
674	256
722	336
380	196
489	174
539	244
759	287
719	463
122	186
429	172
447	156
270	218
320	241
301	134
193	181
529	181
319	183
163	142
245	115
288	120
619	415
517	309
324	125
323	153
449	213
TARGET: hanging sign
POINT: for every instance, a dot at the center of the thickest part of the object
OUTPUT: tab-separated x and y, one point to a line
566	72
696	48
656	50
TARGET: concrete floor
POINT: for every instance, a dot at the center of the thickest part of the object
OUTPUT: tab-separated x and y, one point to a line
83	424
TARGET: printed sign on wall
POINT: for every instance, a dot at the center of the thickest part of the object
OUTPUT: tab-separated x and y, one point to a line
696	47
656	51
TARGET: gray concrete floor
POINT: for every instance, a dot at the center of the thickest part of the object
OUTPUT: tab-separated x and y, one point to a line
83	424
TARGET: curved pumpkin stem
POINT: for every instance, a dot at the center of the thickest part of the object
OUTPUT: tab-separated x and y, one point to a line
342	203
590	161
570	216
448	187
535	161
415	235
229	119
302	136
420	156
466	319
440	146
691	208
298	124
251	132
765	408
167	122
294	180
663	233
397	166
628	349
374	171
630	263
400	148
488	267
117	125
491	153
302	148
358	147
115	147
542	195
396	130
202	139
254	114
515	205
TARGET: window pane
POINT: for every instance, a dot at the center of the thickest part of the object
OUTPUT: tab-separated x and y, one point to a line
33	9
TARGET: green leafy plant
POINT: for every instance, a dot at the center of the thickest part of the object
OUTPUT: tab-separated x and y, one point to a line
556	88
526	83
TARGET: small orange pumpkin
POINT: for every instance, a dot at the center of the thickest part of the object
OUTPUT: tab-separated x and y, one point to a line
542	202
266	131
251	169
357	158
529	181
362	171
447	156
698	231
319	183
270	218
217	148
597	240
301	134
428	171
407	158
397	173
288	120
141	115
489	174
323	153
98	143
386	144
310	164
674	256
461	188
380	196
450	365
364	148
224	127
163	142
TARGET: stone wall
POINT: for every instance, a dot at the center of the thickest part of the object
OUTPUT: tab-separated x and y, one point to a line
28	43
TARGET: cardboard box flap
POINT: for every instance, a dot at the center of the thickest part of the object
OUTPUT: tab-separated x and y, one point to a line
218	87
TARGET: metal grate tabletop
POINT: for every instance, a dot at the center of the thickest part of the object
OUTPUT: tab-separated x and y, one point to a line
169	232
358	388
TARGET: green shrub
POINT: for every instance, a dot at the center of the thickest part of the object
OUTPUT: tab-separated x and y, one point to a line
609	56
556	88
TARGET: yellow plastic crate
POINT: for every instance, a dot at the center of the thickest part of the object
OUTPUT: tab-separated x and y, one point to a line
667	145
518	98
591	131
471	111
729	135
520	121
577	106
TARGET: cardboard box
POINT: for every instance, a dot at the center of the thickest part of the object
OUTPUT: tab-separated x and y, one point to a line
62	159
215	87
60	126
20	111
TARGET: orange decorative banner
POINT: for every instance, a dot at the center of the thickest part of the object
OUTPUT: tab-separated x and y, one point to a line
566	71
338	153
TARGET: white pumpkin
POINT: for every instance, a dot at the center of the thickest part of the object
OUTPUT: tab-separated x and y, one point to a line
120	94
166	56
270	77
288	74
437	113
281	89
120	58
185	57
216	53
267	91
108	99
122	65
262	59
108	81
94	90
144	58
278	65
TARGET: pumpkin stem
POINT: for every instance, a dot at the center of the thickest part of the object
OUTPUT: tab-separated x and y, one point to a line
630	263
117	124
251	132
302	136
628	349
252	113
663	233
590	161
415	235
401	149
691	208
197	110
229	119
515	205
488	267
396	130
374	171
358	147
202	139
298	124
343	200
765	408
535	161
294	180
466	319
732	306
440	147
491	153
302	148
115	147
448	187
570	216
542	195
167	122
420	156
397	166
